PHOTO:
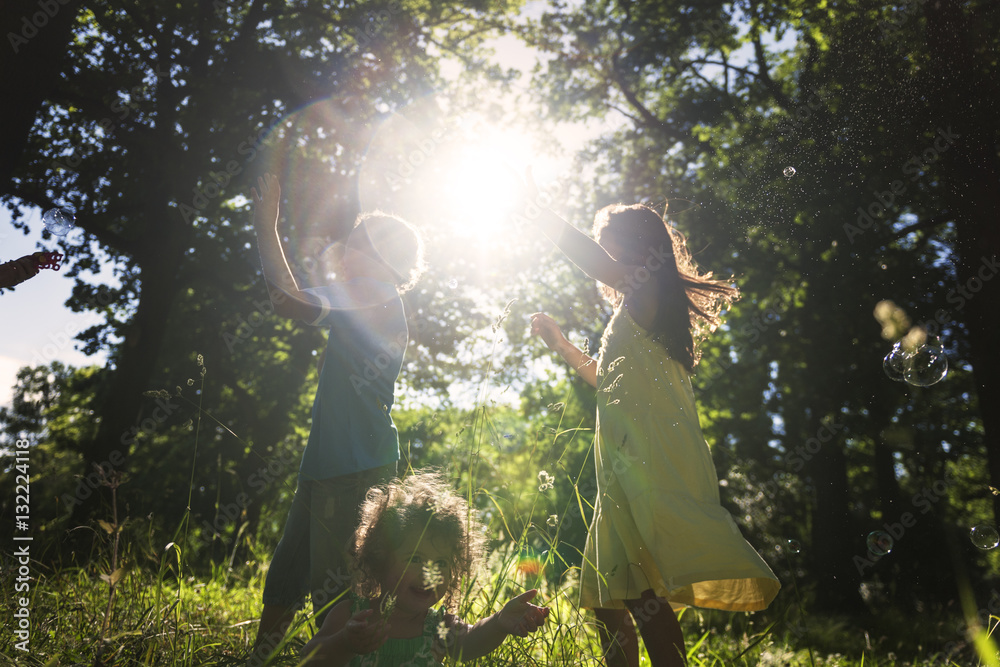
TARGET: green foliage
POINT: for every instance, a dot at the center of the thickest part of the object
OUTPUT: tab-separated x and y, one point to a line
812	442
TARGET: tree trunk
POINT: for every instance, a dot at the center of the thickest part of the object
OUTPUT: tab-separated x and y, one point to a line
967	97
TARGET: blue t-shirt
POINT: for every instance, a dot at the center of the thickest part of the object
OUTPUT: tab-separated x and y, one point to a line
352	429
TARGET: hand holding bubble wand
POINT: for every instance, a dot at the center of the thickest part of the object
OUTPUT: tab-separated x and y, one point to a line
58	222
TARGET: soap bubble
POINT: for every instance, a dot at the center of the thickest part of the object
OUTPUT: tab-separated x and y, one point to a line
879	543
789	172
894	363
926	365
58	220
452	283
984	536
792	547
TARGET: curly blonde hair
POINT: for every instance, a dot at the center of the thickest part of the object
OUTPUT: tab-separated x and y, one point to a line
398	244
426	503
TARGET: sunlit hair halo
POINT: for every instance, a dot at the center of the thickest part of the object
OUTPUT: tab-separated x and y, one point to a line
397	244
426	505
640	236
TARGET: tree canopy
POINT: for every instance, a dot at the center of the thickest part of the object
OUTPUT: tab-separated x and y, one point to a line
830	157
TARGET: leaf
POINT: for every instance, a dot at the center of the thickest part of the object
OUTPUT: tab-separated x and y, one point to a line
108	528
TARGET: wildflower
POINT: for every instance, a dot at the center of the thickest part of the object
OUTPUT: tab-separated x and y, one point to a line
432	575
615	363
388	604
190	382
614	384
547	481
553	520
442	633
201	360
503	315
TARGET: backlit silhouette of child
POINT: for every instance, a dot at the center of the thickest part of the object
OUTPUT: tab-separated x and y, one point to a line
659	536
416	542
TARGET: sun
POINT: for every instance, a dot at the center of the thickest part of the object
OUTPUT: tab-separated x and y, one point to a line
482	182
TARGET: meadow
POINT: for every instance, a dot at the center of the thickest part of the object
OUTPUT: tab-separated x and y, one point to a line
138	598
161	612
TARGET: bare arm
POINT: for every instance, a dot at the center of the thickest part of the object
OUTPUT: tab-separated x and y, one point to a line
17	271
344	636
287	298
544	326
518	617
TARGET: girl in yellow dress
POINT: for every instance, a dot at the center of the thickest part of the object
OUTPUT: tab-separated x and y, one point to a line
659	538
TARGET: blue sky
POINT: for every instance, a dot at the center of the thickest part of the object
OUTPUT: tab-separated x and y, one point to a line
36	326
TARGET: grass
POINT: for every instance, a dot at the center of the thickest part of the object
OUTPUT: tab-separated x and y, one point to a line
158	618
139	601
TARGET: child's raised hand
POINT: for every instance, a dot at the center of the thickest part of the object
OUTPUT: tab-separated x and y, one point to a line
526	192
519	617
544	326
361	636
266	197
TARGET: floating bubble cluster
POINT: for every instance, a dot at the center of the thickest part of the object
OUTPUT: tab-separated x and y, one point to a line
59	220
922	366
789	172
926	365
895	363
879	543
985	536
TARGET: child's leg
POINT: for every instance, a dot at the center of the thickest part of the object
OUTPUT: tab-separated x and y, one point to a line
618	639
333	517
287	578
660	630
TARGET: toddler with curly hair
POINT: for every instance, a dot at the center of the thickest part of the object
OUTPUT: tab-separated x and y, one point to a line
416	541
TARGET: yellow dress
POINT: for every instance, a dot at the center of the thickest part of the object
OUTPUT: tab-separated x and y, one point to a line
658	523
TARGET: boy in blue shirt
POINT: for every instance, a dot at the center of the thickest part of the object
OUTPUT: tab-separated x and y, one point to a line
353	443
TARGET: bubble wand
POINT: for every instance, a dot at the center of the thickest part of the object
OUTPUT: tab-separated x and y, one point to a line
58	221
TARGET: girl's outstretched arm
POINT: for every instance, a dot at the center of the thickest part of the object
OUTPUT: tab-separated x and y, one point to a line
518	617
544	326
582	250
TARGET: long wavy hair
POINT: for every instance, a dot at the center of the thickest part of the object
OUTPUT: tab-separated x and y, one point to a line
689	301
423	503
